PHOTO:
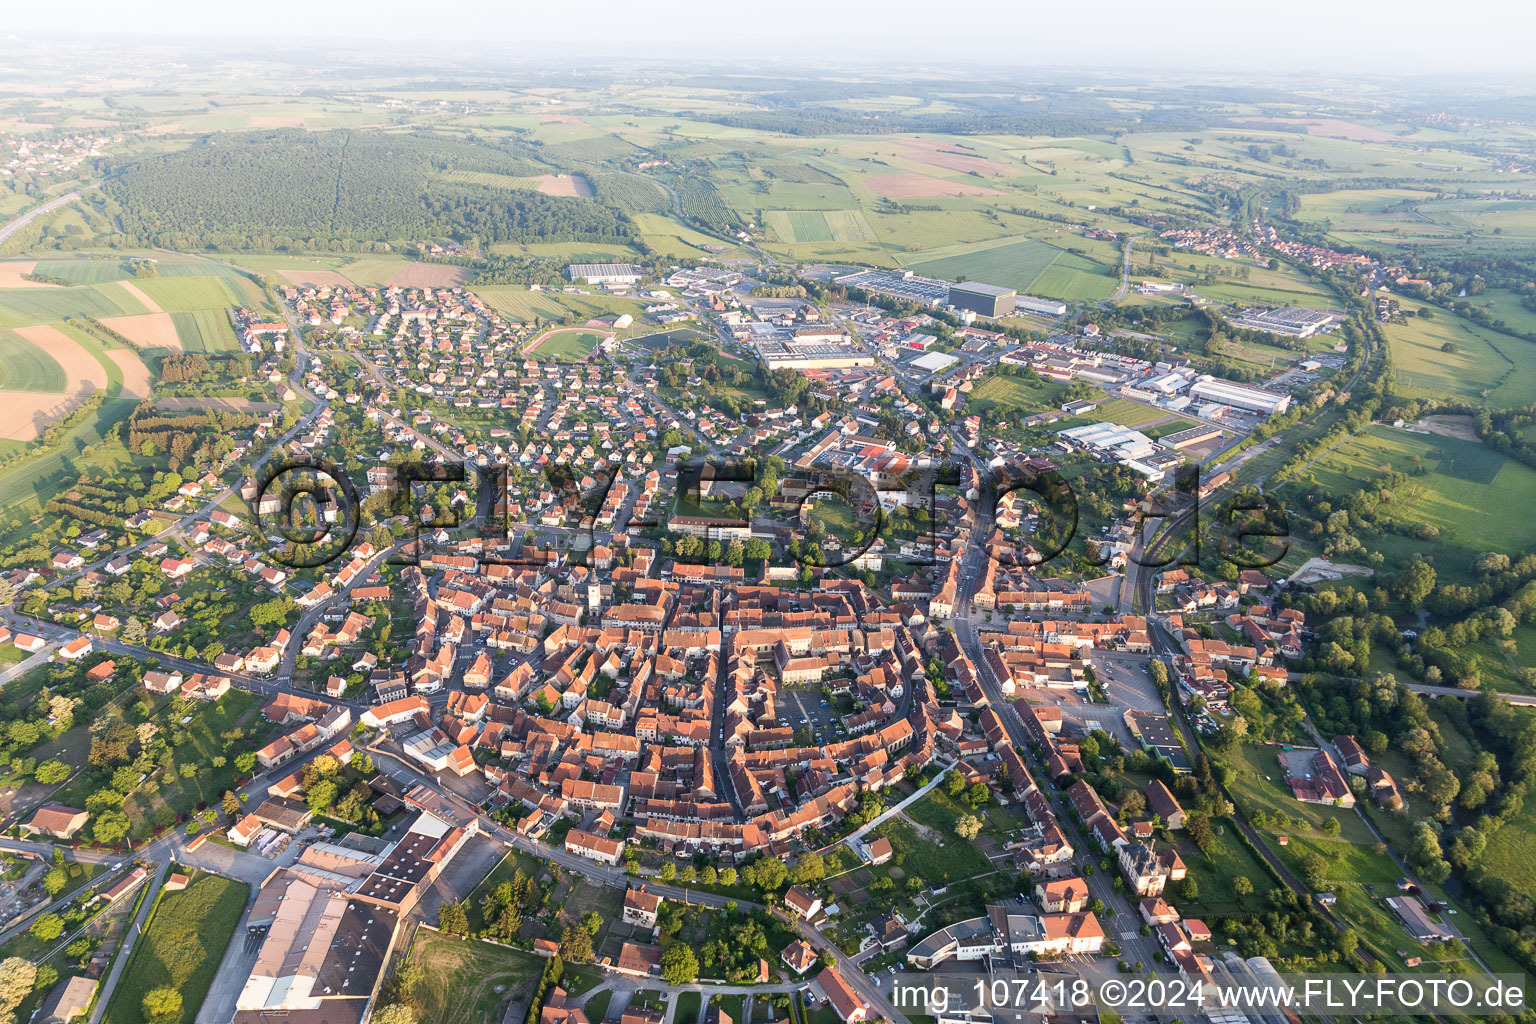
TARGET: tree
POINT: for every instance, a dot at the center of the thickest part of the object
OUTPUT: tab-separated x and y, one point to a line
592	921
978	794
394	1013
1198	825
17	977
1241	885
767	873
1415	582
47	927
453	919
162	1005
231	803
321	795
968	827
55	881
51	772
576	943
679	965
1349	941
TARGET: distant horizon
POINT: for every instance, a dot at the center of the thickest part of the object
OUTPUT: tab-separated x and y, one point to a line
1193	38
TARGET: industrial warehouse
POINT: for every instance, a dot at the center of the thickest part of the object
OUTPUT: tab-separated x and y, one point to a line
977	297
1289	321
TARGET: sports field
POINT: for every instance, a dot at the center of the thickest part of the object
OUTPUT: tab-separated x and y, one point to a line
568	344
24	366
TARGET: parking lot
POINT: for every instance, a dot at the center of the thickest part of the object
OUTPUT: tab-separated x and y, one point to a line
1125	681
801	707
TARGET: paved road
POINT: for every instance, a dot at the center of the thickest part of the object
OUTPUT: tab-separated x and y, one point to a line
130	939
37	211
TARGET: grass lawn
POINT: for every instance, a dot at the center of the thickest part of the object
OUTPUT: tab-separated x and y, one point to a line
462	976
1127	413
181	947
686	1008
1254	791
204	742
1228	859
1015	395
949	860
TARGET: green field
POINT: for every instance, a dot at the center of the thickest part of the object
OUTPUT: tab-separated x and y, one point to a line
85	271
1015	396
181	947
1073	278
1466	489
184	294
30	484
522	304
21	307
26	367
1482	366
471	982
570	345
1016	265
1511	851
1127	413
205	330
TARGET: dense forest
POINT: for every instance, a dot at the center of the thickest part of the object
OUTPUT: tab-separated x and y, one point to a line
281	188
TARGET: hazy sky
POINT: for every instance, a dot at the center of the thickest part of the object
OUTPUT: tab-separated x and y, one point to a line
1338	36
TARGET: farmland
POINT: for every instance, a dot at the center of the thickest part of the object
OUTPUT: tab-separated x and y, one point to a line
184	294
205	330
24	366
1013	265
1442	356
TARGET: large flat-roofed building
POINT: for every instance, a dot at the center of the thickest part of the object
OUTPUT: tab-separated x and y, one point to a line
605	273
1110	439
1044	307
1240	396
819	347
1290	321
899	284
986	299
329	923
